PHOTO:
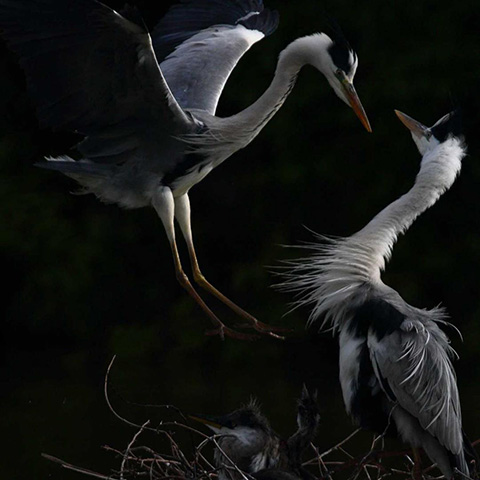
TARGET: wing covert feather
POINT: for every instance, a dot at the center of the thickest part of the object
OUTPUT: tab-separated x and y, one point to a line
415	362
199	42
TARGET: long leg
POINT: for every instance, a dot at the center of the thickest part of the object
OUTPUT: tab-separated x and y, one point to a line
417	467
182	214
164	204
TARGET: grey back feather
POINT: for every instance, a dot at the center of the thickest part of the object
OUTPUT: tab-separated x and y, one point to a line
415	361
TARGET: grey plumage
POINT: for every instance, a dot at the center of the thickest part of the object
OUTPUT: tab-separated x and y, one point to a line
395	361
199	43
308	418
145	104
247	441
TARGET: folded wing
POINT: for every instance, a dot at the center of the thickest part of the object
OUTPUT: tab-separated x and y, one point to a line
414	361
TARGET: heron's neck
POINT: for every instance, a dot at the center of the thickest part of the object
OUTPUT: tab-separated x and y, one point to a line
437	173
299	442
300	52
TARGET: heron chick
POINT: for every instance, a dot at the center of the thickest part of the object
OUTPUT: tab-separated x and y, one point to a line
145	103
396	371
308	418
248	442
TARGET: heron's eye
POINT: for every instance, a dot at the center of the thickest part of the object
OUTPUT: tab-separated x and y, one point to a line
339	73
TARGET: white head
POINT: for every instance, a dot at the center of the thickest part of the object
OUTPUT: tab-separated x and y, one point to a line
425	138
338	62
442	148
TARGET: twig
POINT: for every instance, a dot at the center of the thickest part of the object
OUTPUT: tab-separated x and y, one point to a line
324	454
107	399
134	439
74	468
143	462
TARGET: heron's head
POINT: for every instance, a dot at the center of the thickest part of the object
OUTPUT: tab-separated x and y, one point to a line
245	427
308	415
338	62
427	138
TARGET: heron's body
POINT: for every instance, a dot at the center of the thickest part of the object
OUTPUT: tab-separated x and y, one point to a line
395	361
145	103
197	145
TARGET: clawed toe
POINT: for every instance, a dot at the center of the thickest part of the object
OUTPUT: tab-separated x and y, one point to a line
223	331
265	329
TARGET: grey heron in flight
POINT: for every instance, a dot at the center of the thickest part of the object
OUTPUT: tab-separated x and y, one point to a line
396	371
145	102
248	440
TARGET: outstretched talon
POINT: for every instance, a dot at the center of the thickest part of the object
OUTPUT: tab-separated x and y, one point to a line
223	330
252	321
264	328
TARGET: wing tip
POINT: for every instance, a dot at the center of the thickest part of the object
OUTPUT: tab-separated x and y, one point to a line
266	21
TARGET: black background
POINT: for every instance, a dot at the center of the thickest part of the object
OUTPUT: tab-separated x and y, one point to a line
84	281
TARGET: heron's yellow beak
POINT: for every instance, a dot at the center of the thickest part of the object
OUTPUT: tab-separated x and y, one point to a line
415	127
206	420
352	97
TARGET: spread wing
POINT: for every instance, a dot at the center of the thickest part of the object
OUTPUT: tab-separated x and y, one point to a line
413	360
92	71
199	42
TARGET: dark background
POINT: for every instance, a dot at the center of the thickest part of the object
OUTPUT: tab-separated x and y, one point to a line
84	281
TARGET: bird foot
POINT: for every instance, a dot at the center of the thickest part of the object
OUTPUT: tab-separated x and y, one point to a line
223	330
265	329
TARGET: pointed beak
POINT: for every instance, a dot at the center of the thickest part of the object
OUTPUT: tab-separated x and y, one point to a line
417	128
354	101
208	420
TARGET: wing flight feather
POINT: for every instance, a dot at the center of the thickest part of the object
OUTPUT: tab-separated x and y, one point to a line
89	70
415	362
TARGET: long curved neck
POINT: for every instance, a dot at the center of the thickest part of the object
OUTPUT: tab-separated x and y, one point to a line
437	173
300	52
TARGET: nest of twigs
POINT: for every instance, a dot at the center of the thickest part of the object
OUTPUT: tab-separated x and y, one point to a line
178	462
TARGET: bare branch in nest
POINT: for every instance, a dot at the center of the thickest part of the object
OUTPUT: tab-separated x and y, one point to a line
74	468
141	461
180	462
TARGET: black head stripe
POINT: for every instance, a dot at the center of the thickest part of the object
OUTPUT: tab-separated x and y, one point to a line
340	54
340	49
449	125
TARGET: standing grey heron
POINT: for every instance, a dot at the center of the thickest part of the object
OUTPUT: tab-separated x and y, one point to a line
395	361
145	103
248	440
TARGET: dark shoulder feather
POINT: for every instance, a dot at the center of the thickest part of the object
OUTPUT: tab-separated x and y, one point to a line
378	315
